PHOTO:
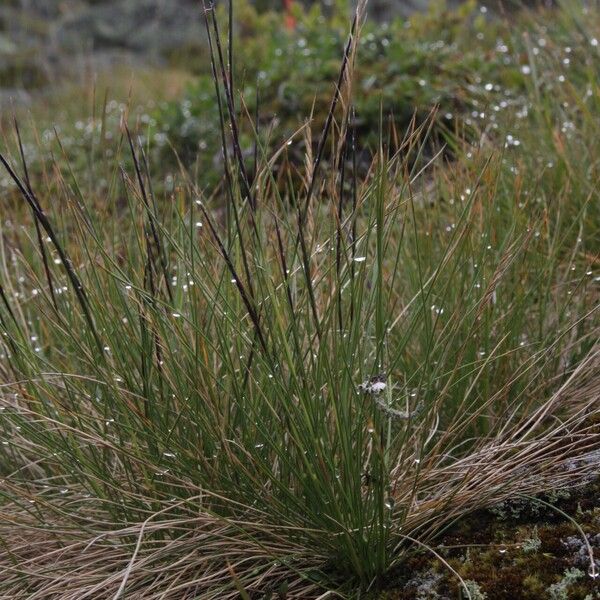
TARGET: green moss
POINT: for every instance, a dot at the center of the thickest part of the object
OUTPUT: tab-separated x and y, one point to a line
473	591
562	589
508	558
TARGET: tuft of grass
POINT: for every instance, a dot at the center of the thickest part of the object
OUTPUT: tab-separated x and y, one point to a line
287	385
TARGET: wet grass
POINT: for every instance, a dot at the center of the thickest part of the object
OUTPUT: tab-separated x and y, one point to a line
295	383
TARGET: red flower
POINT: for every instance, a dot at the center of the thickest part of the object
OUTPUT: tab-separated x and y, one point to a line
290	20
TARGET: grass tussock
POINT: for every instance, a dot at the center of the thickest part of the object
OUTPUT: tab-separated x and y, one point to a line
284	387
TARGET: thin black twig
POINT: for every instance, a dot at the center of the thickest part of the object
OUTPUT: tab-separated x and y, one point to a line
151	215
65	260
38	231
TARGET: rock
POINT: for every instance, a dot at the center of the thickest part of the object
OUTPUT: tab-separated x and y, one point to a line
22	41
46	40
152	27
14	97
7	47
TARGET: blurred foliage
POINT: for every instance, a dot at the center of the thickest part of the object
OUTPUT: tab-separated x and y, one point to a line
20	65
452	59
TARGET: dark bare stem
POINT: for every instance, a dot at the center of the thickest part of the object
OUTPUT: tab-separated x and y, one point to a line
329	119
254	317
256	133
228	179
151	215
339	218
38	232
235	135
65	260
230	43
353	220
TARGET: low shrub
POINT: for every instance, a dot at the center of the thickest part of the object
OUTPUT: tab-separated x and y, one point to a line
454	60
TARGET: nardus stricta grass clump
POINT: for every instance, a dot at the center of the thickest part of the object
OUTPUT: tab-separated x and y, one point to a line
288	383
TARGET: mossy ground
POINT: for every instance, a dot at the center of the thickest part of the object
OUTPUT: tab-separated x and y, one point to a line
520	550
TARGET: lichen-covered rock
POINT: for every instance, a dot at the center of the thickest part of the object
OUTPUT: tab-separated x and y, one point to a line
45	40
151	27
